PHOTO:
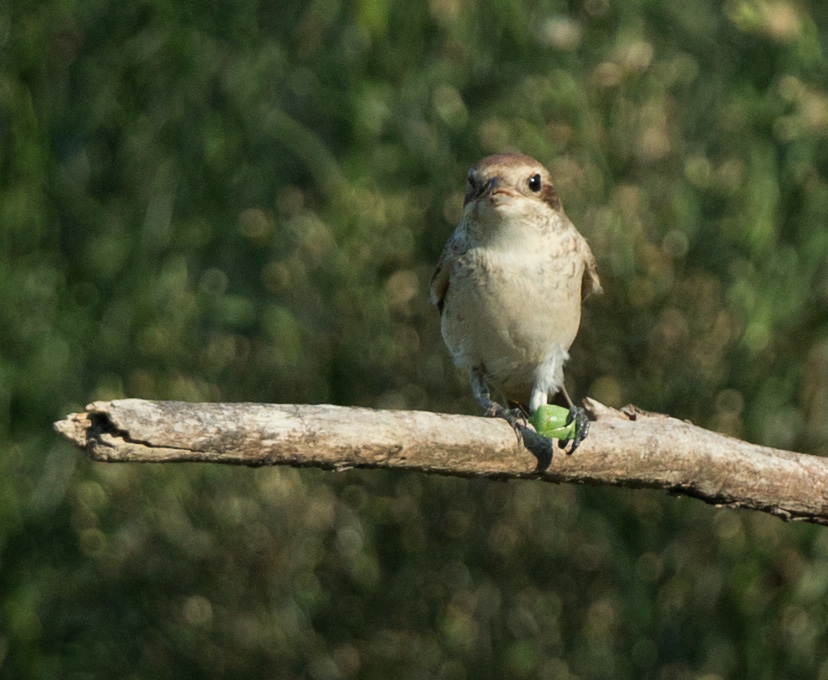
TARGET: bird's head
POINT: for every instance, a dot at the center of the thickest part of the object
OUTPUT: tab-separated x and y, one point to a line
510	196
508	183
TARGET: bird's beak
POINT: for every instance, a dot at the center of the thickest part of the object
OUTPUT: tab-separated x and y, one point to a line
490	186
495	187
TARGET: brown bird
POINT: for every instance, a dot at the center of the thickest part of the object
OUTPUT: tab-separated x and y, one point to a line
509	286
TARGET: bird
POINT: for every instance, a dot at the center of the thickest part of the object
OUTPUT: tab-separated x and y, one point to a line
509	286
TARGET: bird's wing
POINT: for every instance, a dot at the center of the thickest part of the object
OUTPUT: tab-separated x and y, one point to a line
440	278
590	282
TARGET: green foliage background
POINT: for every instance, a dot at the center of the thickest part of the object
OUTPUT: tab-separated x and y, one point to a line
244	200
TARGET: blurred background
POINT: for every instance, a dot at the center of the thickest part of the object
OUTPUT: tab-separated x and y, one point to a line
244	201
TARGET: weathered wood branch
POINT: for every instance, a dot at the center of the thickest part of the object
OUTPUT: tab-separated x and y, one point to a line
627	448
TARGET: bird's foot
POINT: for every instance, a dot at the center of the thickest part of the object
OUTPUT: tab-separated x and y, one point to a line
514	416
577	414
539	446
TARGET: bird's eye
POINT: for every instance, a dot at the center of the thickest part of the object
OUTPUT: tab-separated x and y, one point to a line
535	182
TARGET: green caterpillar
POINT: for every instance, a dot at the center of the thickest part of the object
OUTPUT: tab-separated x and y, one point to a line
550	421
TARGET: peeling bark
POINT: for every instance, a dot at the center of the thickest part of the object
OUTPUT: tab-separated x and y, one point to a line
628	448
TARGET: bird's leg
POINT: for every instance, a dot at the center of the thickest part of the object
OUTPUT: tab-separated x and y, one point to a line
514	416
538	445
577	414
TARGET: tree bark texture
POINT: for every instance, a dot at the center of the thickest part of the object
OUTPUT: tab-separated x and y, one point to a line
628	448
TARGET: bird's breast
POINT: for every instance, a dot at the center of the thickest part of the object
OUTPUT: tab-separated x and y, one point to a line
507	309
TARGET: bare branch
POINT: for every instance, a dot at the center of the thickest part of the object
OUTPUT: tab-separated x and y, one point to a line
630	448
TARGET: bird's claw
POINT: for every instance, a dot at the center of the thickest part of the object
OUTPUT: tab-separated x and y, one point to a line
515	417
539	446
577	414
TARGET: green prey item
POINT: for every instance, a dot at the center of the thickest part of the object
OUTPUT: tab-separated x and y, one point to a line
550	421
